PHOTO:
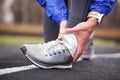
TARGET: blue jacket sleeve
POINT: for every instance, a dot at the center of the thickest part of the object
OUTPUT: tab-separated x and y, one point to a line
55	9
102	6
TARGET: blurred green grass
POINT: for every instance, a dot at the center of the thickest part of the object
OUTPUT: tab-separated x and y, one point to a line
106	43
19	40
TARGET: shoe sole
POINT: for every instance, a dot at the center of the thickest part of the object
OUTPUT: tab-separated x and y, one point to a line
45	66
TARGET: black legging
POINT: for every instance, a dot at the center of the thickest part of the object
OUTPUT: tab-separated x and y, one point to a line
78	11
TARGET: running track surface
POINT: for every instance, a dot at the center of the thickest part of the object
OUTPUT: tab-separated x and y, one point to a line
15	66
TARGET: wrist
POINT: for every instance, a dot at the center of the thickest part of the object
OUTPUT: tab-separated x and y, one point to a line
96	15
92	21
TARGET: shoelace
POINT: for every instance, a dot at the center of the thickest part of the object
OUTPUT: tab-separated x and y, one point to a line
54	47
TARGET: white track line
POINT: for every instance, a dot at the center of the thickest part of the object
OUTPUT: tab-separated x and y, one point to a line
28	67
16	69
112	55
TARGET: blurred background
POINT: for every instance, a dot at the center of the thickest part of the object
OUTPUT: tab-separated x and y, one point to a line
21	22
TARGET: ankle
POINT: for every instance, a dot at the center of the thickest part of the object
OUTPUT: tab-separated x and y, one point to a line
72	41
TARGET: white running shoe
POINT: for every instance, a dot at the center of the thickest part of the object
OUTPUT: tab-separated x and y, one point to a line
54	54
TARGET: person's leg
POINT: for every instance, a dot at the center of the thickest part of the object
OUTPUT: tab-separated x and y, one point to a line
58	53
51	30
78	11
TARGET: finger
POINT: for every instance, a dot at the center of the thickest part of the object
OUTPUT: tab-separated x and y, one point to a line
64	32
79	51
71	30
77	54
77	28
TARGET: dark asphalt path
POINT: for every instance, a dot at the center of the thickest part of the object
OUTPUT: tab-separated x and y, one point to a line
96	69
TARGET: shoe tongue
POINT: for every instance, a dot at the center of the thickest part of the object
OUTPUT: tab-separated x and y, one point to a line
50	43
